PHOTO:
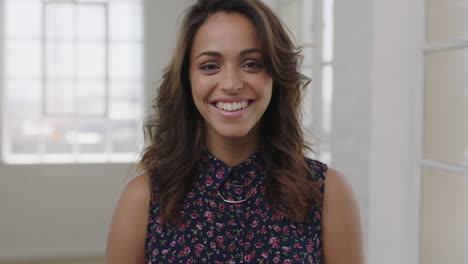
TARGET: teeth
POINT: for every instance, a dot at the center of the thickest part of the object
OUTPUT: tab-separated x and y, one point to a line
232	106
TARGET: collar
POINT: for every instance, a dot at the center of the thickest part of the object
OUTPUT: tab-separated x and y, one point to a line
214	173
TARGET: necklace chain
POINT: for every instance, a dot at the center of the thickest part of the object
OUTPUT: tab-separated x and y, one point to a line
238	201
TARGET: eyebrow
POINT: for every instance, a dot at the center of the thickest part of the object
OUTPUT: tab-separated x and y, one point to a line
217	54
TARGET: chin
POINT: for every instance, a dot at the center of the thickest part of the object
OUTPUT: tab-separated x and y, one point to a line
233	133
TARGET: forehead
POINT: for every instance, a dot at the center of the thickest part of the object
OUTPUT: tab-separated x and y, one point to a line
226	32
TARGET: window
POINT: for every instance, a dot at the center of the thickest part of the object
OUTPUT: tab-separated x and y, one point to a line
73	81
311	22
444	214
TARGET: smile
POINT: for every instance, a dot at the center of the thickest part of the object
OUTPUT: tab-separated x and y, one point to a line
232	106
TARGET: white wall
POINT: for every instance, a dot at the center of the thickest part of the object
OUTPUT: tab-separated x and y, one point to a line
376	119
65	210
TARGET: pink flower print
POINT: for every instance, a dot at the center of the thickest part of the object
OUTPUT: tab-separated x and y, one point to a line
199	226
230	234
212	244
199	248
287	261
172	244
274	242
257	201
286	249
248	258
181	240
213	204
277	228
286	230
297	257
194	215
209	182
209	233
185	251
165	251
246	245
155	252
220	174
232	223
191	195
258	245
276	260
171	259
254	223
265	254
222	207
190	261
317	215
219	239
232	247
219	225
297	245
208	214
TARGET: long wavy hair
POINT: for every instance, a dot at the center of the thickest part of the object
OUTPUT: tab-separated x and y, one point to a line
176	130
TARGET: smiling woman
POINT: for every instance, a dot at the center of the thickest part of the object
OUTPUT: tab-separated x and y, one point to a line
226	178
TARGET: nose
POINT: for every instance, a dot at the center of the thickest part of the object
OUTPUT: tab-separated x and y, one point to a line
231	80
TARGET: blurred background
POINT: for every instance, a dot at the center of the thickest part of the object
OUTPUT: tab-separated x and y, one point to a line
388	106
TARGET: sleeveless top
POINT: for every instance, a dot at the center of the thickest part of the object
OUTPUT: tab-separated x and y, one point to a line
214	231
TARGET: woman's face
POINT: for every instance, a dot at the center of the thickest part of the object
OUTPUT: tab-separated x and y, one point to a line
230	84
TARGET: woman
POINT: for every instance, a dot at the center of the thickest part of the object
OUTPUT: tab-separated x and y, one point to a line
226	179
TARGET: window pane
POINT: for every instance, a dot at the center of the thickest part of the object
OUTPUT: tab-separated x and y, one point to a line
23	19
60	60
59	136
126	136
91	60
90	136
131	91
23	59
125	21
124	109
91	22
23	99
444	217
24	136
59	21
59	97
446	107
447	20
126	61
90	98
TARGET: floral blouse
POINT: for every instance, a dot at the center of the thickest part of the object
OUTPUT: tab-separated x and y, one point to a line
215	231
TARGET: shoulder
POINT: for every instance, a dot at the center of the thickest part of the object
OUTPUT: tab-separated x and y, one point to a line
341	221
318	168
127	233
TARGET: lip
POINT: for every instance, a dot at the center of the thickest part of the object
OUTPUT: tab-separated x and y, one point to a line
232	114
230	100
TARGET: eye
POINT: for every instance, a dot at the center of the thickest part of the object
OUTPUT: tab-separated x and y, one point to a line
209	67
252	65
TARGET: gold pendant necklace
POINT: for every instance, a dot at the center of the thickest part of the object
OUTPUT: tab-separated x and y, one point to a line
238	201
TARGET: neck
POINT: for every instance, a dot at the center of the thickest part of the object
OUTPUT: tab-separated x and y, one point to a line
233	151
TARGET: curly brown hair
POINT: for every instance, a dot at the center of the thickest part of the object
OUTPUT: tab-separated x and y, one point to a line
176	129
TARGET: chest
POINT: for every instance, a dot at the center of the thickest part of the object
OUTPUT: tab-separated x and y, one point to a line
215	230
